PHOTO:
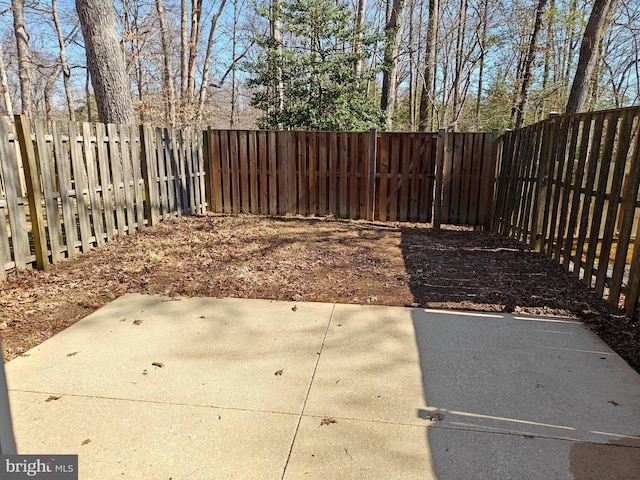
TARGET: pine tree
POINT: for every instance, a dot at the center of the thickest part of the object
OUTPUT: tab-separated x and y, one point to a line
322	88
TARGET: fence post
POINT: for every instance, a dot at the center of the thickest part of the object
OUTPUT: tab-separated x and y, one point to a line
493	188
371	184
542	184
440	146
32	178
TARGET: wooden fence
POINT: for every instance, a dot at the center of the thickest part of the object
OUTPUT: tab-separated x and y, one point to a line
66	188
377	176
569	186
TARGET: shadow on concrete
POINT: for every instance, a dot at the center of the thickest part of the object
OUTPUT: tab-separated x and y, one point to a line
510	395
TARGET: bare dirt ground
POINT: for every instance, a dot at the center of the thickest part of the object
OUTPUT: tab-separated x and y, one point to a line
302	259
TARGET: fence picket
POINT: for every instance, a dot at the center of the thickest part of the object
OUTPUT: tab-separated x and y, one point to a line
49	191
354	154
17	218
323	163
404	169
81	188
253	172
312	173
93	184
383	148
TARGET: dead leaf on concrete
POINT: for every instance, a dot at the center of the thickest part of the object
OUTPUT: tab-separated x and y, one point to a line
294	308
328	421
615	404
435	417
279	372
137	322
86	441
158	364
71	354
52	397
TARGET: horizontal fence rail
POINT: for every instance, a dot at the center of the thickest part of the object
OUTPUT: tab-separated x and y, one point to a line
65	188
386	176
569	186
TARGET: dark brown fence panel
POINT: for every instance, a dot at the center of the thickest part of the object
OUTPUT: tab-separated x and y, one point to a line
569	186
386	176
468	176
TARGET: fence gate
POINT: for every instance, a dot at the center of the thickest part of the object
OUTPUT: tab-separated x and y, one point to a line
468	177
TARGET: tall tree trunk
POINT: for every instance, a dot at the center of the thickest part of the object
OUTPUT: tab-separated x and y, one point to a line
184	49
483	50
457	78
234	42
276	33
66	71
204	87
196	12
360	17
521	104
168	85
588	54
412	67
426	97
393	32
549	48
24	56
105	61
4	84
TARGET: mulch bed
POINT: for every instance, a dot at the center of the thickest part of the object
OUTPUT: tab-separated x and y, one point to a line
306	259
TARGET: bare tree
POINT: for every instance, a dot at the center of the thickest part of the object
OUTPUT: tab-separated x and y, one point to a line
588	54
24	55
66	70
168	86
105	61
426	98
521	103
4	84
393	32
204	87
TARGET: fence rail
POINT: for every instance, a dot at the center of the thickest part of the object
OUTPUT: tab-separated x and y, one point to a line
569	186
65	188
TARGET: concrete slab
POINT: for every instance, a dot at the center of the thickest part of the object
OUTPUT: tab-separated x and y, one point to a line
406	393
147	440
355	449
215	352
370	367
525	375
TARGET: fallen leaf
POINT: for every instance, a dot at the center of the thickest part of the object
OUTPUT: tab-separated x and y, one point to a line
145	372
158	364
294	308
52	397
137	322
435	417
71	354
328	421
615	404
86	441
278	372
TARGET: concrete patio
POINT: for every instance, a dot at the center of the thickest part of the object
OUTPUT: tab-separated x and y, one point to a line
199	388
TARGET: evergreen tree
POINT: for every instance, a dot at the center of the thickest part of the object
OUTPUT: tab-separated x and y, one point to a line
317	68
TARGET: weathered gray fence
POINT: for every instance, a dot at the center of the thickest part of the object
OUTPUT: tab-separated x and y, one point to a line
65	188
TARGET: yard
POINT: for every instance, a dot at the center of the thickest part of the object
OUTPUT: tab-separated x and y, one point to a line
306	259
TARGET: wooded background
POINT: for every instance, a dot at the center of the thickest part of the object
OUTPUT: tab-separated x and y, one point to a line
425	64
